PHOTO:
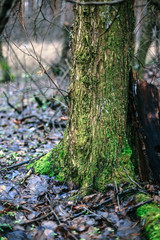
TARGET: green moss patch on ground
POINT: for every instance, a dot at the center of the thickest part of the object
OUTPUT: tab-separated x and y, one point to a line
50	164
44	165
151	213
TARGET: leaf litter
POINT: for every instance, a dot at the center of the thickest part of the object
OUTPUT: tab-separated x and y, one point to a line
39	207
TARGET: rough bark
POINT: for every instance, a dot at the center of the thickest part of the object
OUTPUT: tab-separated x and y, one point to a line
148	131
95	147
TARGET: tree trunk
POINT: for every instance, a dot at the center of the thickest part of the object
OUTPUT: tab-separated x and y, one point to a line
95	147
95	143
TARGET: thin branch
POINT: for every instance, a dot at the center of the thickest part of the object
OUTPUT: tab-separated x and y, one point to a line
110	25
96	3
157	64
38	60
110	223
22	66
132	208
132	179
118	202
52	210
37	219
22	163
8	102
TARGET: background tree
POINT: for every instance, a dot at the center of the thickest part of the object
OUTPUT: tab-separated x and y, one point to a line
5	10
148	22
6	7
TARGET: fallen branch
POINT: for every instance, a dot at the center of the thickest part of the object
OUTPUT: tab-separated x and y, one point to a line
22	163
15	205
37	219
132	208
31	116
132	179
110	223
102	203
52	210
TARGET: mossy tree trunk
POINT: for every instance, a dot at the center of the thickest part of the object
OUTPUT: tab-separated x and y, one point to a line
95	147
95	143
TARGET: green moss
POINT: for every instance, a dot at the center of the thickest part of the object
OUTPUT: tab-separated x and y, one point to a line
151	213
50	164
44	165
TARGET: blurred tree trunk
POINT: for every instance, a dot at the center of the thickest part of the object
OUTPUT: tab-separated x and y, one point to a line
5	71
95	147
6	7
149	20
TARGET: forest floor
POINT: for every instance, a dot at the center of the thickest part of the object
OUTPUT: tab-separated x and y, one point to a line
39	207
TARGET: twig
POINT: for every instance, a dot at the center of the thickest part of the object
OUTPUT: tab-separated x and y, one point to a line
31	116
99	215
50	120
8	102
15	205
44	70
96	3
132	208
102	203
110	25
63	229
36	219
22	163
131	178
59	222
156	65
28	174
52	210
117	194
25	70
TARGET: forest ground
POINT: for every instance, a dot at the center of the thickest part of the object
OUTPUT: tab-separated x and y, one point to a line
34	206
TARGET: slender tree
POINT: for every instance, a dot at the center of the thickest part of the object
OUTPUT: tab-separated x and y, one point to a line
95	147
